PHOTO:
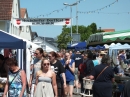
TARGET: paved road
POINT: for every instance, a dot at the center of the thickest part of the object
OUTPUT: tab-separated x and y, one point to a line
78	95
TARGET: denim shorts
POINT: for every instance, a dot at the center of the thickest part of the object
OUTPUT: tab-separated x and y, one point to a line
70	82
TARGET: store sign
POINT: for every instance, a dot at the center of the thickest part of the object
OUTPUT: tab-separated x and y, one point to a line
41	21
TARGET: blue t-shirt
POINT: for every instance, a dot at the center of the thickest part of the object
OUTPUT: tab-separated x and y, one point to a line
122	57
73	56
69	75
62	61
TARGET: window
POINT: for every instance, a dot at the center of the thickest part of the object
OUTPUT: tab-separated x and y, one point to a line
16	9
22	28
27	29
11	28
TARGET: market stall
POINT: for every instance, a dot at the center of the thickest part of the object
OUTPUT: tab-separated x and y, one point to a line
9	41
109	37
120	79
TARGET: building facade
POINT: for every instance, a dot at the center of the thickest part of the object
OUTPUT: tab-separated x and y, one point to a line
25	31
9	10
47	43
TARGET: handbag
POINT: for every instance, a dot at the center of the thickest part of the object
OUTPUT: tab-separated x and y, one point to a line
102	71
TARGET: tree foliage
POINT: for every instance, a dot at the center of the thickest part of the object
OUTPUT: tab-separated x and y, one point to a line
63	38
85	31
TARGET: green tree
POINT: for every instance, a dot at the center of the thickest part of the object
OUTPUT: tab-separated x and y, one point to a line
87	32
84	31
94	28
64	38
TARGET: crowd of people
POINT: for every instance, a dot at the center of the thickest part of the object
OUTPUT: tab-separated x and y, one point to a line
56	74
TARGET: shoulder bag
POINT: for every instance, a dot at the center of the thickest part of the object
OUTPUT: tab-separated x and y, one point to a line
102	71
14	78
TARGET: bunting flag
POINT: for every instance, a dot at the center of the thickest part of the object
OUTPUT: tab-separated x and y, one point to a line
97	10
86	12
59	9
107	13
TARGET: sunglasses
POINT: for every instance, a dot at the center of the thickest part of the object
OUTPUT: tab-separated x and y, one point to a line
46	64
36	53
49	56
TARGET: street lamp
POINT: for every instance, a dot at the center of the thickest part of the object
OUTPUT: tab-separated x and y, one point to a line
71	14
77	18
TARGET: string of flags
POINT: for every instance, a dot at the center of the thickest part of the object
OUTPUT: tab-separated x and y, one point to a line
97	10
53	12
58	10
117	13
87	12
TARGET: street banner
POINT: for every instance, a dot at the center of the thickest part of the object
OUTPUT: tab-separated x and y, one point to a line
41	21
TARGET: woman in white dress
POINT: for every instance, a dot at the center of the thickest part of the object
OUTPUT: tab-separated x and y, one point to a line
45	81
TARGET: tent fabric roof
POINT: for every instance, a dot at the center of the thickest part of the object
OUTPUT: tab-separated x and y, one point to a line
125	46
9	41
28	43
109	37
80	45
95	37
116	35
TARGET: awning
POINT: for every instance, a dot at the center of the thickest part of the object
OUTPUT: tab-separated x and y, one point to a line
80	45
98	37
118	35
109	37
9	41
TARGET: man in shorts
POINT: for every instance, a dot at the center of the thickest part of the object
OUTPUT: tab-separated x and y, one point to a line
78	60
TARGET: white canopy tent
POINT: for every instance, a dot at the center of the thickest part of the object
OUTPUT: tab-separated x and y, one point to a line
125	46
116	47
113	50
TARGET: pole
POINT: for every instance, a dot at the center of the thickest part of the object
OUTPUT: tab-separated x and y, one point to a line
71	22
77	17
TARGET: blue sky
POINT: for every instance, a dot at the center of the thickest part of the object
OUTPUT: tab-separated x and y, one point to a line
104	20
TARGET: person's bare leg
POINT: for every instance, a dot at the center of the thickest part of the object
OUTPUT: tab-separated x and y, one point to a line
77	85
71	88
66	91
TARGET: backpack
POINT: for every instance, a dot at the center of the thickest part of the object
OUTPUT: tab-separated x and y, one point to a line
86	68
89	67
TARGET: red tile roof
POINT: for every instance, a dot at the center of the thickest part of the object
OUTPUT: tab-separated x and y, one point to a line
109	30
6	9
22	12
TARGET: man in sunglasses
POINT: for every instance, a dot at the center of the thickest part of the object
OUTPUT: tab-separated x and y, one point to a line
36	66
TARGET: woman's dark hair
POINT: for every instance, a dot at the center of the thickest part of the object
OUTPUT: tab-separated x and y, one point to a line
94	56
2	57
41	51
54	54
90	54
11	61
106	60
